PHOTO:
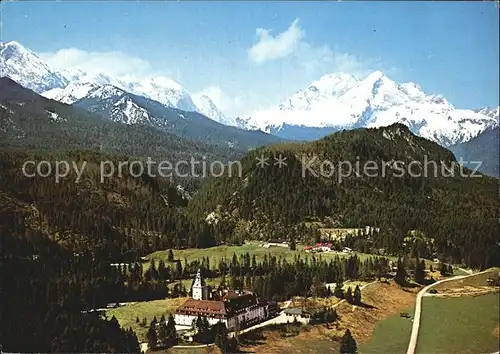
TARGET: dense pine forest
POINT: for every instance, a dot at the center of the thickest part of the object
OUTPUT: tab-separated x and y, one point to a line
128	217
455	216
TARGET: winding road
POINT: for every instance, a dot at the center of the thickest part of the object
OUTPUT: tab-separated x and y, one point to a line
418	309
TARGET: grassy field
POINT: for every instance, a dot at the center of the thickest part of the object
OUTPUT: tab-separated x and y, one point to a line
458	271
126	315
459	325
474	281
215	254
391	335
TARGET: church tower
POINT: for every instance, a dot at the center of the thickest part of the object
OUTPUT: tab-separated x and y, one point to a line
199	287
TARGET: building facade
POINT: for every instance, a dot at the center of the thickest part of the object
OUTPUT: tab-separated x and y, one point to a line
237	310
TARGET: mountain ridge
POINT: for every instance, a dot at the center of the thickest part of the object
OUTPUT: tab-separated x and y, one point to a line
33	122
340	101
333	102
64	85
113	103
483	149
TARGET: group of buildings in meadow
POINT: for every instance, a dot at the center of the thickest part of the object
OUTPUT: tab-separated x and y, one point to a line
236	309
324	247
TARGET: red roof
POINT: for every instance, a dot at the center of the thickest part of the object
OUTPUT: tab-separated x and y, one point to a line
324	244
203	306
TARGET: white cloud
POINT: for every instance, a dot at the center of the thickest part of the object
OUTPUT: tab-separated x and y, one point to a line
303	55
280	46
114	63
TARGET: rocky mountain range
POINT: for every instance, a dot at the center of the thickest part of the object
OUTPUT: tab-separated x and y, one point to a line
26	68
341	101
335	102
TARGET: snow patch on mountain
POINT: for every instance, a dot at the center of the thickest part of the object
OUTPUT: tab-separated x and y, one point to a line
131	112
55	117
163	90
492	112
119	104
73	92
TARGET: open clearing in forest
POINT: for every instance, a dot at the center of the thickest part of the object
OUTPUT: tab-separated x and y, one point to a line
467	324
215	254
479	281
126	315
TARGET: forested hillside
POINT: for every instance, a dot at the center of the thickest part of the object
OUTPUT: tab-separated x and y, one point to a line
123	218
29	121
42	299
456	215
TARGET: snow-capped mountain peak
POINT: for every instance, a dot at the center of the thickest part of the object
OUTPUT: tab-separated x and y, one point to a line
207	107
26	68
340	101
333	83
13	49
119	105
106	92
163	90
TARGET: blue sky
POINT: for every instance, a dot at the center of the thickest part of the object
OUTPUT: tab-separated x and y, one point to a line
451	48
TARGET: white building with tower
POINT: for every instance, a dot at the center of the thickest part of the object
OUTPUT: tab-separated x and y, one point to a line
236	309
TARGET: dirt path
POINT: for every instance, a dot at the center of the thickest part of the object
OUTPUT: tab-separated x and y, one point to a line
412	346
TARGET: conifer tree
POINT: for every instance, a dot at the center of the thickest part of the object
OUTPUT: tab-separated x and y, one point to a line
221	337
420	271
339	292
170	256
357	295
152	335
171	332
401	274
162	333
348	343
348	295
